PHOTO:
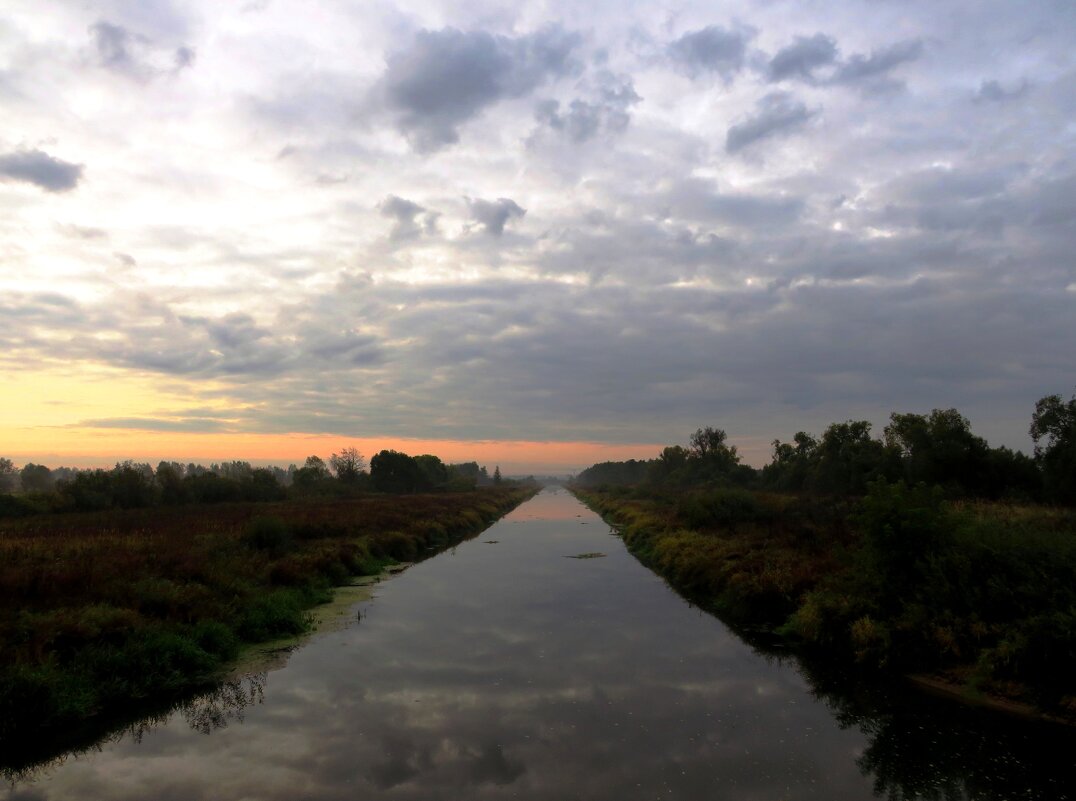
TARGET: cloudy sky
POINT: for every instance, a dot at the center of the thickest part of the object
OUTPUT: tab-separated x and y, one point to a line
569	230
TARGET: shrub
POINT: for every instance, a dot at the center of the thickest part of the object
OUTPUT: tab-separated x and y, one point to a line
268	534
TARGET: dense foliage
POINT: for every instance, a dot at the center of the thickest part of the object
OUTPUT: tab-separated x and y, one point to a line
938	449
35	489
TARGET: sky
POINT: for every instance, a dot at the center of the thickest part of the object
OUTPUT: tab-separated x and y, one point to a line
540	234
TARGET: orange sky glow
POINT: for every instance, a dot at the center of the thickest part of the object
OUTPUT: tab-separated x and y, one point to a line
94	448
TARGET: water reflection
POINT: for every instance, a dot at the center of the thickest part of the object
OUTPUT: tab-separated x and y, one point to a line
205	713
504	670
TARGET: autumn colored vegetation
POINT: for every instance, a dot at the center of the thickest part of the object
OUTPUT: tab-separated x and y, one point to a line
101	611
923	552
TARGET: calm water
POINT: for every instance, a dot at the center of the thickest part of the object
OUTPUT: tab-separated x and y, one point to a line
505	670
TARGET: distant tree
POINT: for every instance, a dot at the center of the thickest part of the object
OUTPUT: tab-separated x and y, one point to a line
133	485
35	478
712	458
433	470
849	459
238	471
497	475
1053	428
312	475
169	477
939	449
706	442
263	485
88	490
792	463
392	471
462	477
633	471
8	475
347	465
671	462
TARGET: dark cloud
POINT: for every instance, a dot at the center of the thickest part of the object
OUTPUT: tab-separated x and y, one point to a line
446	77
802	57
776	114
583	120
120	50
113	44
411	219
39	168
184	57
879	63
493	215
993	91
711	49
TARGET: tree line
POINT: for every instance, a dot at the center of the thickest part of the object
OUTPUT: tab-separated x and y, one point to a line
936	449
35	488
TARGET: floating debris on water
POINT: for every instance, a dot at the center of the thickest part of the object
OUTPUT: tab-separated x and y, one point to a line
591	555
491	542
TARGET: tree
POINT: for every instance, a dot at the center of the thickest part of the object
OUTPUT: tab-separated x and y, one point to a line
1053	429
7	475
712	458
347	465
132	485
849	459
497	474
433	470
35	478
169	478
706	442
312	474
392	471
939	449
671	462
792	463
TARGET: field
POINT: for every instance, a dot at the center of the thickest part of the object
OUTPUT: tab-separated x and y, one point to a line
976	596
103	613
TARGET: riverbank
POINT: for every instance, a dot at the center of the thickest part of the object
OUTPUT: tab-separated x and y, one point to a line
104	614
978	597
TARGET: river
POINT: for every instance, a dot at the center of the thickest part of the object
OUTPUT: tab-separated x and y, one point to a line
505	669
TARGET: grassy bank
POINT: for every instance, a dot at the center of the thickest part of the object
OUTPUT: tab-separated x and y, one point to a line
978	595
103	613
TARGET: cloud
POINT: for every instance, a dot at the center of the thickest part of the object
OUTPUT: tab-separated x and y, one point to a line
711	49
447	77
134	55
777	114
412	220
40	169
184	57
180	424
859	68
583	120
802	57
993	91
113	43
493	215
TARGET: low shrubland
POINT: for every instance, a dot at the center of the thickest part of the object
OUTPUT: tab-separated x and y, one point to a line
899	581
102	612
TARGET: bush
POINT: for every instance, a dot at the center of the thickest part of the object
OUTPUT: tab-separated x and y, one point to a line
720	508
269	534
